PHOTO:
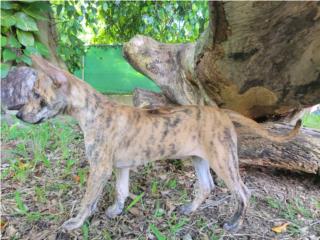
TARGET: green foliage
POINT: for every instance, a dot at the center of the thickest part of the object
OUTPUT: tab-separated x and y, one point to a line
7	19
25	38
19	32
4	69
13	42
115	22
173	21
311	120
69	17
3	41
25	22
8	55
95	22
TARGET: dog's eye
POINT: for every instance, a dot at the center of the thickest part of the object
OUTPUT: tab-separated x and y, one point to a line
43	103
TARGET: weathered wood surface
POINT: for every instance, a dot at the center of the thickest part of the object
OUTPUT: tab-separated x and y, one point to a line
49	38
16	87
150	99
259	58
301	154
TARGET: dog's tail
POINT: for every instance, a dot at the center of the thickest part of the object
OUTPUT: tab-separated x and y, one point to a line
256	128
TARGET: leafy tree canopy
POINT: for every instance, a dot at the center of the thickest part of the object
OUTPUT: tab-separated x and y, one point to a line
81	23
20	33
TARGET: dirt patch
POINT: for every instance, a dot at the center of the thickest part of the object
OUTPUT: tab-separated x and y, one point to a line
34	207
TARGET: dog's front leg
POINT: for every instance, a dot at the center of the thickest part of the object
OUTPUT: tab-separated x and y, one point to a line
96	181
122	192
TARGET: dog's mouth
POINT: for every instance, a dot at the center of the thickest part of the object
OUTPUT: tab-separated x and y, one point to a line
19	116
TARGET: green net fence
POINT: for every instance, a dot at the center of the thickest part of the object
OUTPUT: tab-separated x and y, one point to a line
107	71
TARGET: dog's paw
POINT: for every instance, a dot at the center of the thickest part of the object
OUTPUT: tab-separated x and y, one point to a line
113	211
186	209
71	224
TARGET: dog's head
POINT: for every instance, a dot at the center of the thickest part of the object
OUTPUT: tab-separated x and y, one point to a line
49	94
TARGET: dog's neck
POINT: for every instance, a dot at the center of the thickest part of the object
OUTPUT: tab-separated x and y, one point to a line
84	104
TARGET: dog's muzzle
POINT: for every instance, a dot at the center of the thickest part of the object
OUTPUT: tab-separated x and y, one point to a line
19	115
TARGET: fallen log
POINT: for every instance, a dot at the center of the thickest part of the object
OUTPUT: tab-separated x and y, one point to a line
302	154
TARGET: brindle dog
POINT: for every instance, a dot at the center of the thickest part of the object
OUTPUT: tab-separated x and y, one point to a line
122	137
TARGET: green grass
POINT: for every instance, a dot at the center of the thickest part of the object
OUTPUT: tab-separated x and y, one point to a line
176	224
135	201
32	143
311	121
171	183
40	149
159	212
85	230
41	194
290	210
157	232
32	152
22	208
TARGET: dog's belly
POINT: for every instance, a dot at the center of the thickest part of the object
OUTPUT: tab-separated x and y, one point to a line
173	150
138	162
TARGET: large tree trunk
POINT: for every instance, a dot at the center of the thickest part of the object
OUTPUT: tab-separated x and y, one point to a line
301	155
49	38
261	59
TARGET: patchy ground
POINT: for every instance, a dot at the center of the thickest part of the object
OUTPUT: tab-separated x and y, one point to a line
43	175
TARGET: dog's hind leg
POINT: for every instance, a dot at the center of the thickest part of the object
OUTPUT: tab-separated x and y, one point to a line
225	163
242	194
203	186
122	192
96	181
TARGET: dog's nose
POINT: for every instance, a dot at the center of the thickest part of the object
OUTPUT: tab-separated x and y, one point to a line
19	115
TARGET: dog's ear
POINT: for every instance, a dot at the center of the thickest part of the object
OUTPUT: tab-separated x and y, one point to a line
57	75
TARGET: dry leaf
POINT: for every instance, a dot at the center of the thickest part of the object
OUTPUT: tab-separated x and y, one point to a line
170	207
11	231
76	178
280	228
3	224
135	211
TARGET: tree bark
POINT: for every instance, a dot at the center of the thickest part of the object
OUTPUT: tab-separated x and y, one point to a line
258	58
301	154
16	87
49	38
